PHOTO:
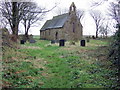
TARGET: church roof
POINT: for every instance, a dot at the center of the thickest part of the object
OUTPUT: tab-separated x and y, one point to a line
56	22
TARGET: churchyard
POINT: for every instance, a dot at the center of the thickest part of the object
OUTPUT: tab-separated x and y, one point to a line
45	65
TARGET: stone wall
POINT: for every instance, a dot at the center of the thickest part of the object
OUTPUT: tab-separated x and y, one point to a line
7	39
66	32
75	34
54	34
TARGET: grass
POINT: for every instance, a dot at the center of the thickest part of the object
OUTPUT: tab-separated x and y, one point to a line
42	65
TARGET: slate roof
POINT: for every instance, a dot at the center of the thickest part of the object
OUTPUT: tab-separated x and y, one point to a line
56	22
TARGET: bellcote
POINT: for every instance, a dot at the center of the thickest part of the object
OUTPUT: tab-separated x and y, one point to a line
72	8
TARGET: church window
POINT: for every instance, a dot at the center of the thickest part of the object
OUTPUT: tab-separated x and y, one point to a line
49	32
73	26
56	35
72	9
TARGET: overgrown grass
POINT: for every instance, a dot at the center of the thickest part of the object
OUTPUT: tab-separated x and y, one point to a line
51	66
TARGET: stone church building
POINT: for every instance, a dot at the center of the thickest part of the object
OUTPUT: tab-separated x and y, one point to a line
66	26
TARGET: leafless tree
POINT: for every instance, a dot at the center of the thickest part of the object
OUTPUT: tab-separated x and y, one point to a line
13	12
105	29
114	11
96	3
3	21
98	19
114	8
80	13
31	16
60	11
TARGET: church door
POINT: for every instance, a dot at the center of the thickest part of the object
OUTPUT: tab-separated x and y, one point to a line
56	35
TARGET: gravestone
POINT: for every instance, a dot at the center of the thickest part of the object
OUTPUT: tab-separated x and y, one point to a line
5	41
93	37
32	41
22	42
52	41
88	40
30	37
62	42
82	43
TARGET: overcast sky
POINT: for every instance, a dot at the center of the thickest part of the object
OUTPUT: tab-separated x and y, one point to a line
87	21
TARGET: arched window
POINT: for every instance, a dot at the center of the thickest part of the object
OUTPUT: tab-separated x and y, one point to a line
49	32
72	8
56	35
73	27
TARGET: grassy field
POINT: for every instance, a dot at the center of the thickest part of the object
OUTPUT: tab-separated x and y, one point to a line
45	65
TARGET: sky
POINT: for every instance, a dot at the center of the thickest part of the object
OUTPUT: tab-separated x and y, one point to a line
86	5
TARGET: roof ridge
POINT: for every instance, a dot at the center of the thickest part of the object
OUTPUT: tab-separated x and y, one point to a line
60	15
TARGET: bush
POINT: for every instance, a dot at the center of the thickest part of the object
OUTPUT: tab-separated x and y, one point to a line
72	42
115	48
8	39
115	52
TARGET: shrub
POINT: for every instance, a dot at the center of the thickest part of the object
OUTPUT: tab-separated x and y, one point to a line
115	48
72	42
115	52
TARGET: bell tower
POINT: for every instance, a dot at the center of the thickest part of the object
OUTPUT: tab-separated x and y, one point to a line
72	9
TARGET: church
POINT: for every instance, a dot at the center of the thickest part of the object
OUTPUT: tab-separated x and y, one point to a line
66	26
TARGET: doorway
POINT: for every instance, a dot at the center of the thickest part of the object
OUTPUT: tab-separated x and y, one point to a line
56	35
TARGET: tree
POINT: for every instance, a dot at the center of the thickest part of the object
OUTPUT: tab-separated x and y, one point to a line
60	11
80	13
104	29
3	22
31	16
115	14
114	11
96	3
13	13
115	45
98	18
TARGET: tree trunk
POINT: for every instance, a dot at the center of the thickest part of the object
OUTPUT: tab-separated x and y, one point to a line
15	22
96	33
97	29
26	31
26	34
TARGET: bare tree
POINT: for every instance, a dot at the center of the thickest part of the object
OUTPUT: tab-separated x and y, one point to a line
80	13
104	29
96	3
13	12
3	21
98	19
114	11
31	16
60	11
